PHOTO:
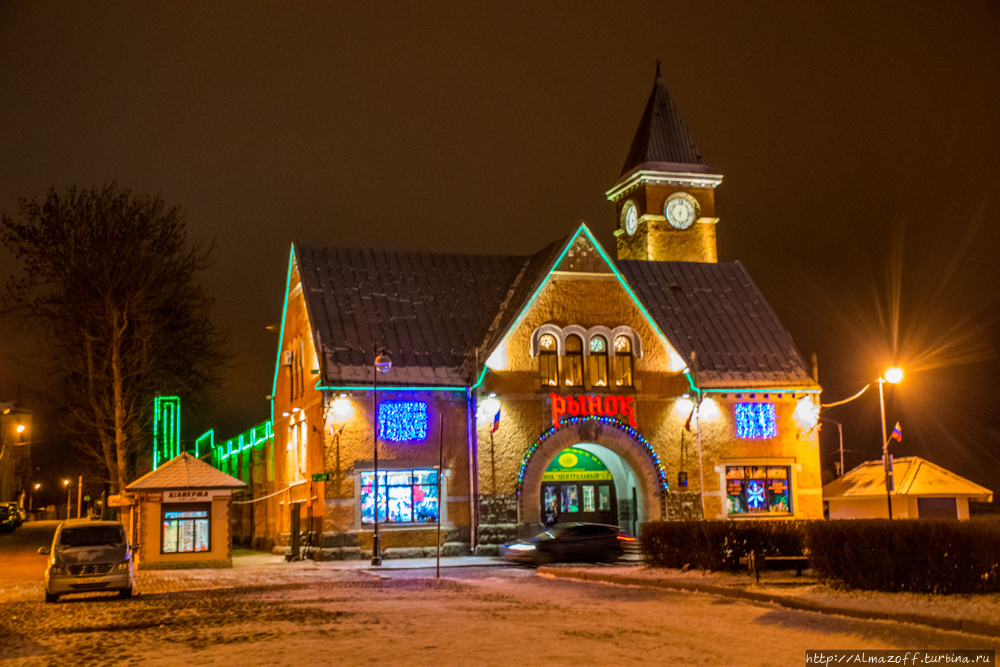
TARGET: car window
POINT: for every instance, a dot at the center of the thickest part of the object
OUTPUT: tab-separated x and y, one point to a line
594	531
89	536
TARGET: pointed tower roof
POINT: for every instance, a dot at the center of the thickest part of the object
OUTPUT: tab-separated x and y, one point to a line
662	135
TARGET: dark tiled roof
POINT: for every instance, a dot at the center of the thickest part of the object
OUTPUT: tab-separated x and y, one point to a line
185	472
429	311
717	311
662	135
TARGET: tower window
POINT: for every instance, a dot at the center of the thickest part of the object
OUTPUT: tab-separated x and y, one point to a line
548	361
623	361
598	361
573	362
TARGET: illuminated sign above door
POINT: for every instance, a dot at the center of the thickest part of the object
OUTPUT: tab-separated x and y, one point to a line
585	406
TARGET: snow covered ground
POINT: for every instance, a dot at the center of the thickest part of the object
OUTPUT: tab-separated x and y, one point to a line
984	608
304	613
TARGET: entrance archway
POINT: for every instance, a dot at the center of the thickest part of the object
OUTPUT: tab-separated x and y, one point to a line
617	445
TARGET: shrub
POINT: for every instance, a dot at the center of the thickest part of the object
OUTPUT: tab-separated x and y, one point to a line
718	545
917	556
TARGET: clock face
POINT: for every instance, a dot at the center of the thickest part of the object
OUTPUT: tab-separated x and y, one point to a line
630	218
681	211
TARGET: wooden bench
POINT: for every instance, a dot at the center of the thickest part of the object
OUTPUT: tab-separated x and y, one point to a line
756	562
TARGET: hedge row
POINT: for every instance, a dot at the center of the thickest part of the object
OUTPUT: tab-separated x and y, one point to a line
877	554
718	545
917	556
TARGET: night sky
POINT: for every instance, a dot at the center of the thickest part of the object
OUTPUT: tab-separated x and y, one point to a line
860	146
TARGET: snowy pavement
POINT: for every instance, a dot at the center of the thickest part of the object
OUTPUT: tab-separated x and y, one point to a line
301	613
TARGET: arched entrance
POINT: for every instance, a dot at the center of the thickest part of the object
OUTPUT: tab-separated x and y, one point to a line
578	486
618	448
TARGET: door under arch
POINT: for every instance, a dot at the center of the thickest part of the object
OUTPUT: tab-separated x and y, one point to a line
577	486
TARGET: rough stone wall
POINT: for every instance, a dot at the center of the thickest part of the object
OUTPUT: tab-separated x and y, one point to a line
683	506
498	522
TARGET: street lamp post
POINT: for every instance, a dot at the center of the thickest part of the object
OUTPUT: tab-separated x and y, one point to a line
68	492
840	432
31	497
892	375
382	365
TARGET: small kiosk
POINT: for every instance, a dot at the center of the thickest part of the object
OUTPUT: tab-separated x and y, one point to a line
178	515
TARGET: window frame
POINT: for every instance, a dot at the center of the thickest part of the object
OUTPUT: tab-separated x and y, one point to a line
548	362
598	362
768	467
624	377
573	361
184	507
384	486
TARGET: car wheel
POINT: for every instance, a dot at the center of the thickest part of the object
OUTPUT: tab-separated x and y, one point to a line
125	593
51	597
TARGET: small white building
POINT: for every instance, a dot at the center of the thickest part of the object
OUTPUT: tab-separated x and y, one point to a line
923	490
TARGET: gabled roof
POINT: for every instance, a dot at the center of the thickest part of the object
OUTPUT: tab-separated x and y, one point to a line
662	136
428	311
717	311
185	472
439	316
913	476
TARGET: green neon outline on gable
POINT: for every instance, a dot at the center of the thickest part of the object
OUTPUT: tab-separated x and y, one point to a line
210	434
281	337
621	279
387	387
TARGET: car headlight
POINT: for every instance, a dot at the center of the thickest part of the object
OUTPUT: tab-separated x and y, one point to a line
122	566
522	547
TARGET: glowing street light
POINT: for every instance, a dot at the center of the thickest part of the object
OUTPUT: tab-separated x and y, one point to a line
893	375
20	428
68	500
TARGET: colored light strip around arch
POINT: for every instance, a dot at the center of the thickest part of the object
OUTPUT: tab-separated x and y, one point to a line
635	435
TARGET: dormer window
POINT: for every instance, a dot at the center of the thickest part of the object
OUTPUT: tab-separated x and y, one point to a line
623	361
573	362
548	360
598	366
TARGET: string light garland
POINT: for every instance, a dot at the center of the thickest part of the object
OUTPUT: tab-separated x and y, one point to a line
611	421
402	421
756	421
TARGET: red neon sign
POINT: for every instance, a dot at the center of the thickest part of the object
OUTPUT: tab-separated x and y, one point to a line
585	406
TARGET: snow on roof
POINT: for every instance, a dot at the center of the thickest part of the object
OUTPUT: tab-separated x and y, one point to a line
913	475
185	472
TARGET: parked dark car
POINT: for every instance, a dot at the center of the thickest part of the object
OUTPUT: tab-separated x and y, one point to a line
569	542
9	518
18	513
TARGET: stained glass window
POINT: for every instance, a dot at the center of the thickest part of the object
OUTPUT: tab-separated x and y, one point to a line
758	489
756	420
185	530
405	496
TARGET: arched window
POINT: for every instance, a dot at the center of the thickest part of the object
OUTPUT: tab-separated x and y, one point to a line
548	361
623	361
573	362
598	361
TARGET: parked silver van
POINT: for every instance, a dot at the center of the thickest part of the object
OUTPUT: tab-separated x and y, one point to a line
88	556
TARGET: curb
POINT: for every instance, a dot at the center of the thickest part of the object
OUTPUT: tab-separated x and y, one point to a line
939	622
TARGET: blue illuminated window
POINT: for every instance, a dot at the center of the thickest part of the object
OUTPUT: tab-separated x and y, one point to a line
756	420
402	421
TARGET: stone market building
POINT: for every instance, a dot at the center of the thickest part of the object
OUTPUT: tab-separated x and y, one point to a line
649	383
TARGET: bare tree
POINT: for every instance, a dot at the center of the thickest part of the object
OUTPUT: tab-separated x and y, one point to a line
110	279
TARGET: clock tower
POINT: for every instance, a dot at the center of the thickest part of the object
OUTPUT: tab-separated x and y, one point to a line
665	197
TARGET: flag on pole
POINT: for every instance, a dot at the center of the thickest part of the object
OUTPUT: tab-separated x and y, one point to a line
897	434
687	423
496	422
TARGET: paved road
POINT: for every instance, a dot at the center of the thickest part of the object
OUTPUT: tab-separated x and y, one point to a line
19	558
305	614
